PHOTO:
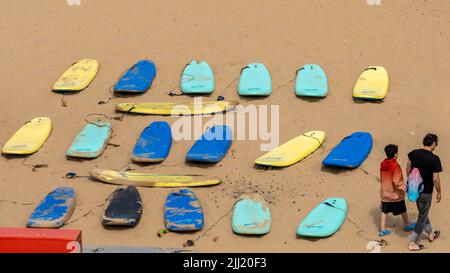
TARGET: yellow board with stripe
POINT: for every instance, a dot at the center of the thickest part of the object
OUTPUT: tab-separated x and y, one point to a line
29	138
293	151
373	84
170	108
77	77
152	180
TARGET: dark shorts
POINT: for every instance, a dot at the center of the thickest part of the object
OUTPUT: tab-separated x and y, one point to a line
395	208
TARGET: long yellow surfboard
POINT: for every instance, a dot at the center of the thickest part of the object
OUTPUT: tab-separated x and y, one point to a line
373	84
29	138
152	180
77	77
170	108
293	151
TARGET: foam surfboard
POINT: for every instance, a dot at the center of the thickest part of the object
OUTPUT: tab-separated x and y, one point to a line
255	80
171	108
137	79
29	138
77	77
154	143
325	220
91	141
212	146
293	151
311	81
351	151
183	212
54	210
152	180
197	78
251	216
373	84
123	208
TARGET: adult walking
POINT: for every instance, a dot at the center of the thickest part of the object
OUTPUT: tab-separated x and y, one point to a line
429	166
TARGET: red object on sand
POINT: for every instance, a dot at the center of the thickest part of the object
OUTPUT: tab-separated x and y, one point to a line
33	240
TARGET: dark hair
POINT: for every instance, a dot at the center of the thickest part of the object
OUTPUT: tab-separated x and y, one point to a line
429	139
391	150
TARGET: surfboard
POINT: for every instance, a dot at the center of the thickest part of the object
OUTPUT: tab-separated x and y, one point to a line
212	146
251	216
123	208
311	81
29	138
255	80
183	212
197	78
172	108
54	210
325	220
373	84
293	151
91	141
77	77
152	180
137	79
351	151
154	143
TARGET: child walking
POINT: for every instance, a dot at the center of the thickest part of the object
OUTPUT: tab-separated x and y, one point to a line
393	190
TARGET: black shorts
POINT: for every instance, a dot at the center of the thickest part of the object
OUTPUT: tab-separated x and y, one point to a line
395	208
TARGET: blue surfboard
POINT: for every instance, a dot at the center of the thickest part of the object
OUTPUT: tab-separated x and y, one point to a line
255	80
91	141
251	216
197	78
54	210
311	81
212	146
325	219
183	212
137	79
351	152
154	143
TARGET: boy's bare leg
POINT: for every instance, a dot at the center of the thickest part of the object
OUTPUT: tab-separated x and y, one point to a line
383	221
405	218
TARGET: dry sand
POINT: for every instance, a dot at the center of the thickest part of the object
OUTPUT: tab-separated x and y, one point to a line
40	39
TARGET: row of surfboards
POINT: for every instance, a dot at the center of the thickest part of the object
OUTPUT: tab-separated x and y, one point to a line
198	78
183	213
155	142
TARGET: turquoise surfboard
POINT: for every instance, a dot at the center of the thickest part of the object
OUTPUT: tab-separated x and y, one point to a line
91	141
325	219
251	216
311	81
255	80
197	78
54	210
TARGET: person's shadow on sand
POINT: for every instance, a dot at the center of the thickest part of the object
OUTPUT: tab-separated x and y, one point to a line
395	223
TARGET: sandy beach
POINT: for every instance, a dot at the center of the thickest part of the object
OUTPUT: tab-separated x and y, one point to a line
41	39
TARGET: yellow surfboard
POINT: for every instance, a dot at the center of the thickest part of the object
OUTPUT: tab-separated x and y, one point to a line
170	108
152	180
373	84
293	151
77	77
29	138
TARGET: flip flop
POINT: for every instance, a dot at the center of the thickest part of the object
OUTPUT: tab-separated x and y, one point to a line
420	248
436	235
384	232
410	227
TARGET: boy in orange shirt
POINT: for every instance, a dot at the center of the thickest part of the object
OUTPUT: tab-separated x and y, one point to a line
393	190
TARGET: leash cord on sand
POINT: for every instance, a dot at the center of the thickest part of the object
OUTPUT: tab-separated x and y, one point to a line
215	224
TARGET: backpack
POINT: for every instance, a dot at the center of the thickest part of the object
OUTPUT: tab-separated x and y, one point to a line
415	185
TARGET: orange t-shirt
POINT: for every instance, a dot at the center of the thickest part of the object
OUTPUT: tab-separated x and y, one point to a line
393	188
